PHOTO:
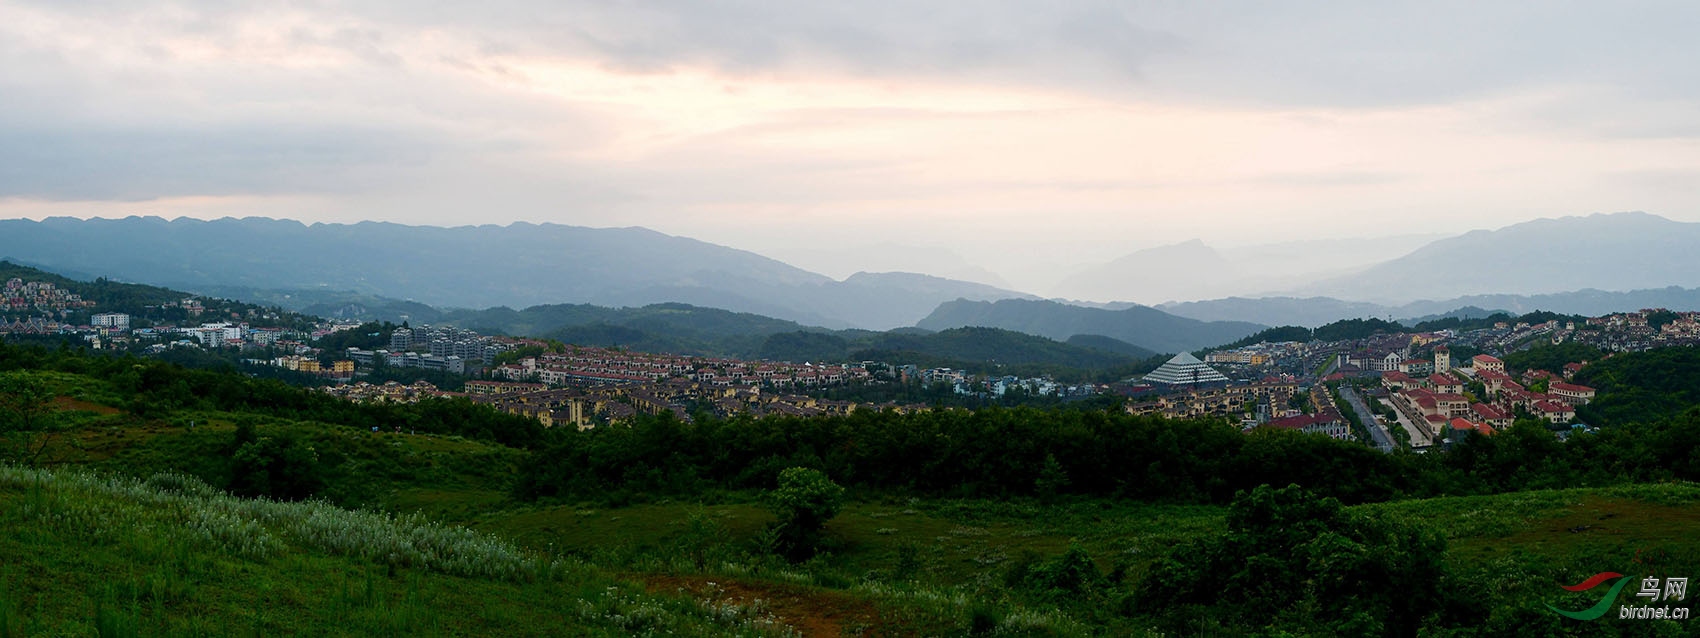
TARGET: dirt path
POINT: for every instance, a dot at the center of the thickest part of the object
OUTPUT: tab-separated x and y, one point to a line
813	613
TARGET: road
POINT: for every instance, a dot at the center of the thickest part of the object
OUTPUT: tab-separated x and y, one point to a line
1383	438
1419	438
1332	365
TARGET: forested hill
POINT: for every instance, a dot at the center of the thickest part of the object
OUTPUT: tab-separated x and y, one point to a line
151	303
1142	326
516	265
1638	386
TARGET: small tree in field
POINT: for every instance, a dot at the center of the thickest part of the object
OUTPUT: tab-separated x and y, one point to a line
27	419
804	501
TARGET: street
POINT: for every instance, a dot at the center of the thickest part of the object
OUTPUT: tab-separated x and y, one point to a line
1383	438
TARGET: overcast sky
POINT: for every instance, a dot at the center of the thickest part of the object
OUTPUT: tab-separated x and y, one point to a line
1026	138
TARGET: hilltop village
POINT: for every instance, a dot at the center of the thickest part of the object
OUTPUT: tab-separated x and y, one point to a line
1401	386
1384	389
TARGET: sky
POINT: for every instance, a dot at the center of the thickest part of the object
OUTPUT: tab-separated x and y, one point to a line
1019	141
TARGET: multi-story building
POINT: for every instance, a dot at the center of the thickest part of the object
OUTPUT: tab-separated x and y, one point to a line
111	320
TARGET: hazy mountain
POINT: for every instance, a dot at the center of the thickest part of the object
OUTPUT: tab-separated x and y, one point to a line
1311	312
1109	344
1176	271
1581	302
1141	326
1193	270
844	261
1622	251
334	304
475	266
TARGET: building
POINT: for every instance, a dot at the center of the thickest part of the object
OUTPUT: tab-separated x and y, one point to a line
1485	362
1237	356
1326	424
1445	384
1442	360
1416	367
1571	393
1461	427
1554	411
113	320
1185	369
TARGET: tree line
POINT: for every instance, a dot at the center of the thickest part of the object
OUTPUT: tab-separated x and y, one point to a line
1030	452
151	388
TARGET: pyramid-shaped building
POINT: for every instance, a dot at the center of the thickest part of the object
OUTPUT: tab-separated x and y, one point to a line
1185	369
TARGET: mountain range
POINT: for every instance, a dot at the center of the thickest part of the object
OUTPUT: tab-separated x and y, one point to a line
1311	312
1143	326
1583	265
1620	251
517	265
1193	270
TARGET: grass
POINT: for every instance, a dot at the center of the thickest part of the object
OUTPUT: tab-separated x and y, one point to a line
93	552
106	555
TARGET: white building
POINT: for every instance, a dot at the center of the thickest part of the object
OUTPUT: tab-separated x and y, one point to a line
113	320
1185	369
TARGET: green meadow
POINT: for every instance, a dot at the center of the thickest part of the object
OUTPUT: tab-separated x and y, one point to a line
127	522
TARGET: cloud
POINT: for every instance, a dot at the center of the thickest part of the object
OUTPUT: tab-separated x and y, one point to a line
1006	117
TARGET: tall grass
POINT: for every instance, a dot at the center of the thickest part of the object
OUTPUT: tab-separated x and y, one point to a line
173	526
100	508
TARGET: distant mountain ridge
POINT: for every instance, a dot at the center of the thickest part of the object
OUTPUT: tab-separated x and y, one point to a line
1617	251
1192	270
1311	312
517	265
1141	326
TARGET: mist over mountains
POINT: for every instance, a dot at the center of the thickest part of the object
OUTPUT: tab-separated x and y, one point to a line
1311	312
1142	326
1582	265
1620	251
476	266
1194	270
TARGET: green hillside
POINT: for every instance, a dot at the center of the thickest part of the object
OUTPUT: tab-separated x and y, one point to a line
93	554
122	512
1641	385
146	303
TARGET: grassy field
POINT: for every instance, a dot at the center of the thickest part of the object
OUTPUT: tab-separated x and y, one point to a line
417	535
89	554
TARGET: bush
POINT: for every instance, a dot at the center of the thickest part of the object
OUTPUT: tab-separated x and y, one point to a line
804	501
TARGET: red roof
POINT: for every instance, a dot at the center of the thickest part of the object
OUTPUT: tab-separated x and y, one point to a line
1462	423
1569	387
1486	359
1487	412
1298	422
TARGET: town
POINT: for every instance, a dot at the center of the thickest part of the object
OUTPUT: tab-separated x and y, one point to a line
1386	389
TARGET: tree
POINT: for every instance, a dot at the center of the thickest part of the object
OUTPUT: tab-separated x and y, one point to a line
1294	561
804	501
1052	480
274	467
26	416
